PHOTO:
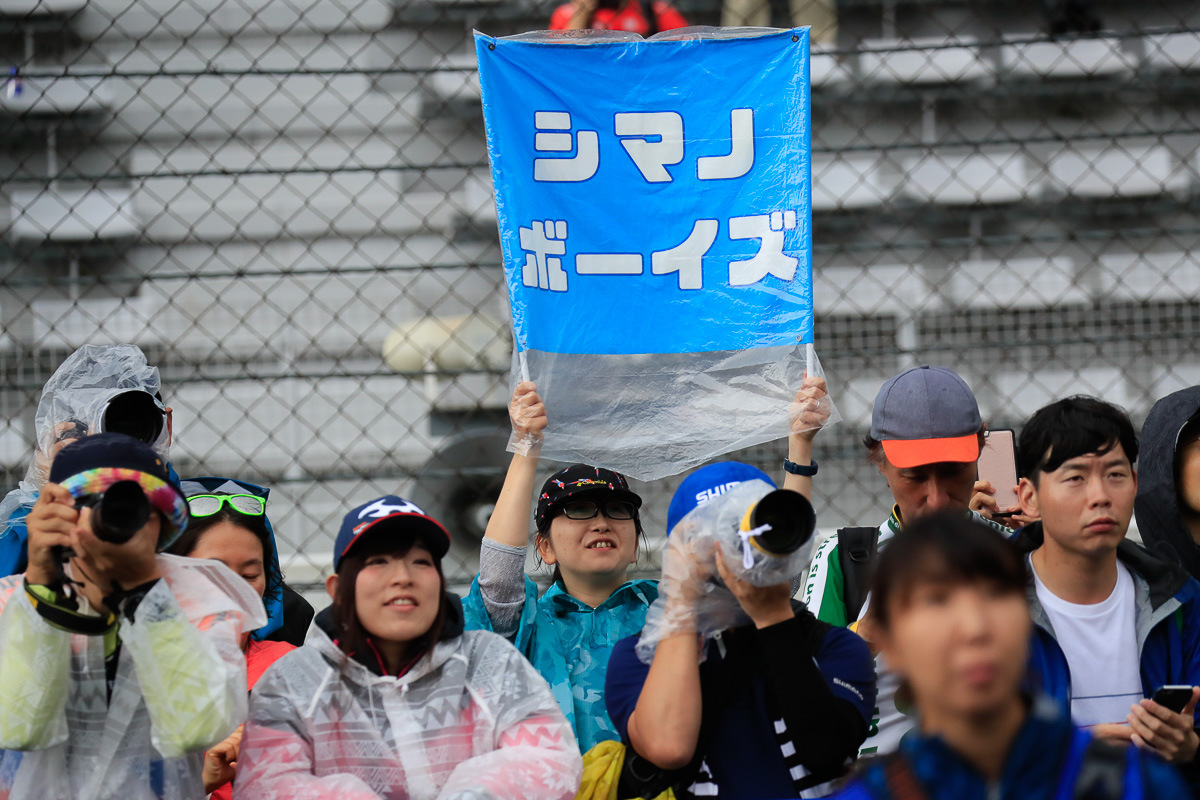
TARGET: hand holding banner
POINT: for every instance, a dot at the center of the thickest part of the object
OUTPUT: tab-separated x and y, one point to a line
654	212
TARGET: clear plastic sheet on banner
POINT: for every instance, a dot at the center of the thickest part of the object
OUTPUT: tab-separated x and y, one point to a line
650	416
691	596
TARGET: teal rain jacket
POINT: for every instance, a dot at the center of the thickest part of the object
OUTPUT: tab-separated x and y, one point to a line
569	643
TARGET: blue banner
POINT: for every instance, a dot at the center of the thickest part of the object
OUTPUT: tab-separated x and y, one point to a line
652	196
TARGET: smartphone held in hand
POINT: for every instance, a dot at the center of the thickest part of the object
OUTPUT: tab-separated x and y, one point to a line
998	466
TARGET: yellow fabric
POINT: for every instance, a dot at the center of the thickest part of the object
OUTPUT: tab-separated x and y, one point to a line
602	771
34	674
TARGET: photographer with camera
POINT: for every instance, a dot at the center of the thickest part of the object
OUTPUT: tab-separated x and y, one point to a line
118	665
745	693
98	388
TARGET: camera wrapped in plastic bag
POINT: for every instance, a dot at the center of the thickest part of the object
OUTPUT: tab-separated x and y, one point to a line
765	536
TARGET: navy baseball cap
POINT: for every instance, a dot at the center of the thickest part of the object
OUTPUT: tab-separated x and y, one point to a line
926	415
94	463
576	480
392	515
708	482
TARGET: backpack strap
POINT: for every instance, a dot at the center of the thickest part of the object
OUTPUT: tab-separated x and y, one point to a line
1101	773
856	553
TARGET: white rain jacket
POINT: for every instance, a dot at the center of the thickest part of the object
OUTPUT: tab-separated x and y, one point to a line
180	687
472	719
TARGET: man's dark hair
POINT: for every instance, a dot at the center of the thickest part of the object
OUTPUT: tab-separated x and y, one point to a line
945	546
1069	428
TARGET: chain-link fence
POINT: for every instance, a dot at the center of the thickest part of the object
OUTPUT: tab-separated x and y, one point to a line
287	205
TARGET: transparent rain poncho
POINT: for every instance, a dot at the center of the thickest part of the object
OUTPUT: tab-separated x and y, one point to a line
74	401
180	687
472	720
691	595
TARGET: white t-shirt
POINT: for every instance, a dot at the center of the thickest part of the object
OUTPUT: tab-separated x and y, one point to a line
1100	643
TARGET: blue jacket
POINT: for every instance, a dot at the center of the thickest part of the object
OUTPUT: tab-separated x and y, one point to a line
1167	620
1042	765
569	643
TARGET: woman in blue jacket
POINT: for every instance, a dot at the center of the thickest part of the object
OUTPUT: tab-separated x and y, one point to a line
951	617
588	529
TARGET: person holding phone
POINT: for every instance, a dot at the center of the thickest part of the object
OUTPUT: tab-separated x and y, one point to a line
951	617
1113	623
996	488
926	437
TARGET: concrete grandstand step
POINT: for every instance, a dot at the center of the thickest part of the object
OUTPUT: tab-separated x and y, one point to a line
1078	58
1024	391
923	61
1174	51
826	69
997	176
1016	283
1121	169
345	150
314	426
887	289
123	19
25	10
292	206
1158	276
80	214
56	95
171	107
849	181
455	79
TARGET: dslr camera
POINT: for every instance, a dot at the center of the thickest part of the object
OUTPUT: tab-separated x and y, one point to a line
119	512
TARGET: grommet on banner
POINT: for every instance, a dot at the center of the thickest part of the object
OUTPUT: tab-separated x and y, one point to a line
795	38
491	46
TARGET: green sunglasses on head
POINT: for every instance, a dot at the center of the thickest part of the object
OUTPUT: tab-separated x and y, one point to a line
205	505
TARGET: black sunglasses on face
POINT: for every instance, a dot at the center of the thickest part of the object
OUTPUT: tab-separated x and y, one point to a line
588	509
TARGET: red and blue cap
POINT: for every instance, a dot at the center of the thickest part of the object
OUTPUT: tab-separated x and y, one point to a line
390	515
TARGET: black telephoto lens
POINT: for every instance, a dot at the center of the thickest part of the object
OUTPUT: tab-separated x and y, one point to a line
121	512
791	518
134	414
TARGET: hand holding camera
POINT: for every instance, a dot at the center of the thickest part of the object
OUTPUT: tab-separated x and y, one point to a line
765	605
730	561
49	523
115	543
110	539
